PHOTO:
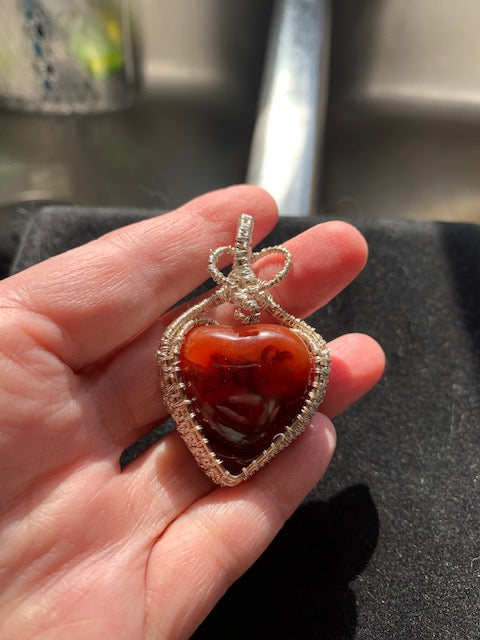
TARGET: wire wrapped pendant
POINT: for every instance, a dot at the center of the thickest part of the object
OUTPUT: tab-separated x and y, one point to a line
240	393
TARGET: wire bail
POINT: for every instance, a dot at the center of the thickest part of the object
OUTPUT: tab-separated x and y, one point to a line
241	287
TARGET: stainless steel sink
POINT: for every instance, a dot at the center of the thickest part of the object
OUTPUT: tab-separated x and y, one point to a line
403	128
402	132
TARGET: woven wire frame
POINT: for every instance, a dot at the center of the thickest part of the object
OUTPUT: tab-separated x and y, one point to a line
187	415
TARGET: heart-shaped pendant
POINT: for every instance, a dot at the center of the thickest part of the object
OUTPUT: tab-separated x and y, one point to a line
240	394
249	383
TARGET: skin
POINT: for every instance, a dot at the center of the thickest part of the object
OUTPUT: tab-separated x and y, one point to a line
87	551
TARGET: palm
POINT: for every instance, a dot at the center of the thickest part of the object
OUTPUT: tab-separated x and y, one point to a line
87	551
69	530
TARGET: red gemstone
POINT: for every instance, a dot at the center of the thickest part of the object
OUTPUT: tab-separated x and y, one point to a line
247	383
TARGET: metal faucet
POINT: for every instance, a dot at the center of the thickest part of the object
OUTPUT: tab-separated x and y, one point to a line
286	151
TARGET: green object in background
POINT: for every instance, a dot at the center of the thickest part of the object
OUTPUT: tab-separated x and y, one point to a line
7	61
97	42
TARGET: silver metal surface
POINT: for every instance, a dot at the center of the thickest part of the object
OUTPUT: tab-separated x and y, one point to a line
286	151
403	135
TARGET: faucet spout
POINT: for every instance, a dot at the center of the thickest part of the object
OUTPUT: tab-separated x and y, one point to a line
286	151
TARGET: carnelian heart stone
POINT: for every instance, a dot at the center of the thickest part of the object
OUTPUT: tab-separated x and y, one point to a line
247	384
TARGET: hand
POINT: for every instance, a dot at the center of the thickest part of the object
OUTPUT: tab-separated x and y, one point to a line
87	551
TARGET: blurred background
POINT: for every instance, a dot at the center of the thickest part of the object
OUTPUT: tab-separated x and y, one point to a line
354	109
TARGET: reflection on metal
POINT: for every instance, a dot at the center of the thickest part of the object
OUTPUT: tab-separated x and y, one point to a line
286	150
403	57
404	106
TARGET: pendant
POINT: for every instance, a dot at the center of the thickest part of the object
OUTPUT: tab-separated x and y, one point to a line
240	393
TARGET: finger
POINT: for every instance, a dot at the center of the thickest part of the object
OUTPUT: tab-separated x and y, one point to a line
325	259
222	534
358	363
95	298
128	390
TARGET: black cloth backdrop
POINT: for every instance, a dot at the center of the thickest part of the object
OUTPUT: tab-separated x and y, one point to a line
388	544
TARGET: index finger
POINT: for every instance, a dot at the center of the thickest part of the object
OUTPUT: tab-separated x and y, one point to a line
86	303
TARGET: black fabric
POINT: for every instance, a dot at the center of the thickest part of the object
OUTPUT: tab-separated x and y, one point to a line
388	544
